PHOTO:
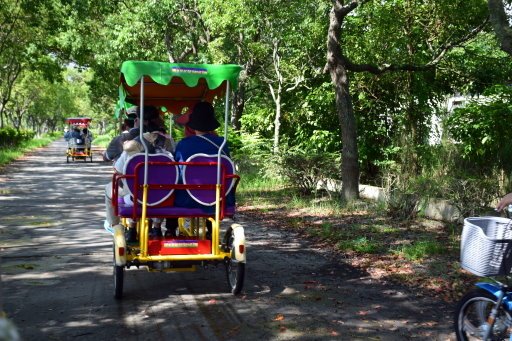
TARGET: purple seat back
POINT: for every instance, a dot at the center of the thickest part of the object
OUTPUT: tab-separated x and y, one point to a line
207	175
157	175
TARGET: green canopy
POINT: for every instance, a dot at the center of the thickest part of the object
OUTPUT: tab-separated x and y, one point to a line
174	85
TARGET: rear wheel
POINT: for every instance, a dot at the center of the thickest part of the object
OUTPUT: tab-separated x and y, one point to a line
471	317
235	270
118	279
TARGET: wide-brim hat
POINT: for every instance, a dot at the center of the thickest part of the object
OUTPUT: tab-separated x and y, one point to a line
203	118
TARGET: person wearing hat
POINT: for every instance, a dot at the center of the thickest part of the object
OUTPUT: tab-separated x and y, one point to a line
157	142
152	123
115	147
203	124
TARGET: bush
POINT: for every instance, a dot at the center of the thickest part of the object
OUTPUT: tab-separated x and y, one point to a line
251	154
469	193
305	171
10	137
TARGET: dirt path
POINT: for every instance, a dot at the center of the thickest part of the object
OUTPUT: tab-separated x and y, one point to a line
57	277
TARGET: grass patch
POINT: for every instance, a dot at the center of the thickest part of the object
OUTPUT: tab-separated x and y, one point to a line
26	266
421	249
102	140
12	153
359	244
41	224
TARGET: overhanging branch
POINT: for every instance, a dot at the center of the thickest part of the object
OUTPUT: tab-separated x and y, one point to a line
380	69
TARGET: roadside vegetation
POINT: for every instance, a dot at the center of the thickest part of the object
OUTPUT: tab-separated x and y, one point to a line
14	144
420	253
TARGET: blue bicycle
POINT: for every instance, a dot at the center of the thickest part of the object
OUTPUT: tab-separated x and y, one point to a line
485	313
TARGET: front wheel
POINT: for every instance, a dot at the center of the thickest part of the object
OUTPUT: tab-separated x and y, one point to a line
471	316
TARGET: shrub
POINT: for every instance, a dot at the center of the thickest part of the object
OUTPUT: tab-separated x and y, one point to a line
305	171
10	137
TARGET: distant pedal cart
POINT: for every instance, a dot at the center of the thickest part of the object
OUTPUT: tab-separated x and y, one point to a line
152	178
79	148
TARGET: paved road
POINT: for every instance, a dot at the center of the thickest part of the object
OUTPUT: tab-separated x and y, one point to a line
58	284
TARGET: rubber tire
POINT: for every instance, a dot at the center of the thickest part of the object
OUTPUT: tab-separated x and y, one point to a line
468	301
235	274
118	280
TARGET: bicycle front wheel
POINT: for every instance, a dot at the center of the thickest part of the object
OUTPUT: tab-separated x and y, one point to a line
471	317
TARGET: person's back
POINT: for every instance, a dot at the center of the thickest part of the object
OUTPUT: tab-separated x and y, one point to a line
86	136
202	120
76	138
206	144
75	133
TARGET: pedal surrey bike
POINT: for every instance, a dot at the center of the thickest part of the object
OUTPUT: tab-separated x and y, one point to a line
78	147
152	179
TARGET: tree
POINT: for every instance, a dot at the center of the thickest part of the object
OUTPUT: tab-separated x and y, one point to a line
27	41
428	41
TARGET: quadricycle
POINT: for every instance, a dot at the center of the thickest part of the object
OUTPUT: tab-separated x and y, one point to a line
152	179
78	139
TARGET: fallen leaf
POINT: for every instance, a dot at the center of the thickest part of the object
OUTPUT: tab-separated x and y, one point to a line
279	317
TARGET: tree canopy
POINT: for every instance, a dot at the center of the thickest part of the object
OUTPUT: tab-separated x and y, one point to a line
363	79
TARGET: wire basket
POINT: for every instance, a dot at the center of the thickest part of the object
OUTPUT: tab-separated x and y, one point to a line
486	246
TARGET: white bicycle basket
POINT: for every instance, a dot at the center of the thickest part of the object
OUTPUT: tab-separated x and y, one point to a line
486	246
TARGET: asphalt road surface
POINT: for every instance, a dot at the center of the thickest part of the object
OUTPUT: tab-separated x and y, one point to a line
57	282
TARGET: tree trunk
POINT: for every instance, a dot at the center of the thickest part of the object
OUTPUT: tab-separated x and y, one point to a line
500	24
349	153
238	107
340	80
277	124
1	115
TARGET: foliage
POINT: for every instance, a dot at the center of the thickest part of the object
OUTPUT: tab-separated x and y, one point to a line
306	170
10	137
420	249
11	153
393	110
481	129
448	176
471	195
252	155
